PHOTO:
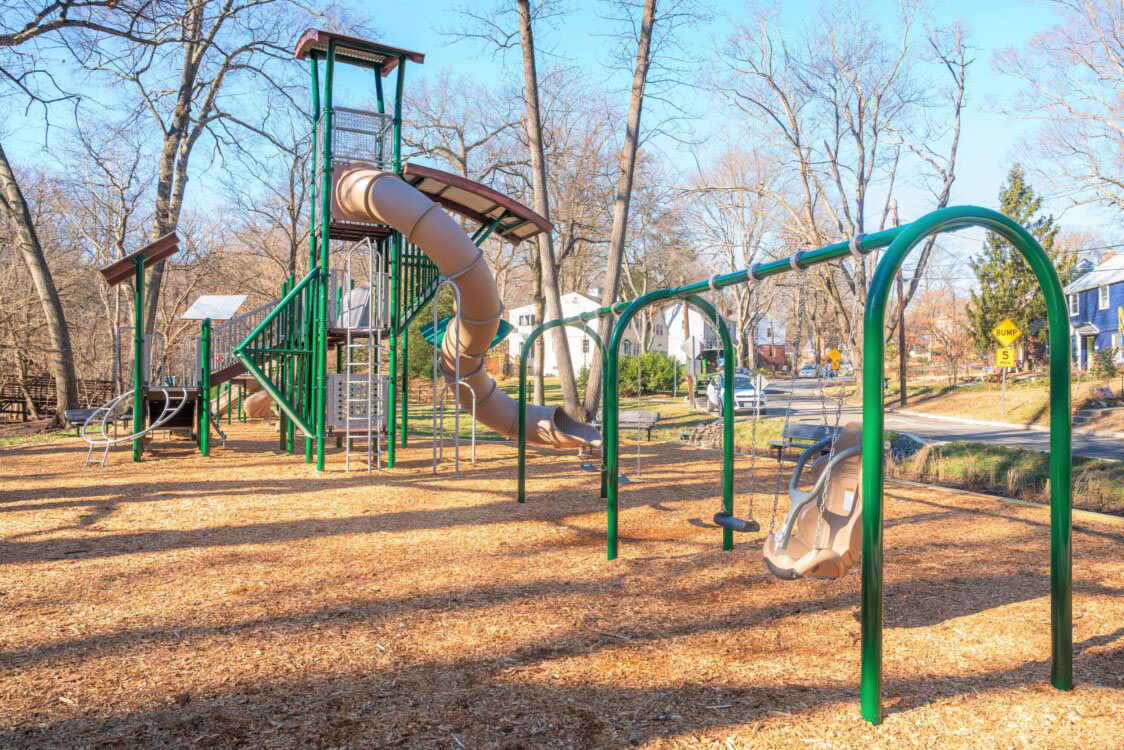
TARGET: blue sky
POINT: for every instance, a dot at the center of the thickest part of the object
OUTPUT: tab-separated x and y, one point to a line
990	141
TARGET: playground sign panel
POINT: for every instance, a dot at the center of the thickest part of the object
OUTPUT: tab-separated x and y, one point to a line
1006	332
1005	356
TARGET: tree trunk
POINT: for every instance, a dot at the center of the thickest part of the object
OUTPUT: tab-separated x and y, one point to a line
625	173
540	345
542	207
16	213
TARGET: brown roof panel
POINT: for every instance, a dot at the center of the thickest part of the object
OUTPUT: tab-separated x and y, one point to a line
119	270
354	49
477	202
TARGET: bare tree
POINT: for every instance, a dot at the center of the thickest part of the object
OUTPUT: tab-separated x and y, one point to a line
175	65
549	274
16	215
736	228
1073	83
828	103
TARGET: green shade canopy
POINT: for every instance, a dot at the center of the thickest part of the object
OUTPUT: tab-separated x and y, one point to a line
443	323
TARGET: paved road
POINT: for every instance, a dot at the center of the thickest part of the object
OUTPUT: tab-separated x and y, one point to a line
806	406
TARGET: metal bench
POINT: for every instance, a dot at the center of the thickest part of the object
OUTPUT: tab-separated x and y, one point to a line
800	436
77	417
644	420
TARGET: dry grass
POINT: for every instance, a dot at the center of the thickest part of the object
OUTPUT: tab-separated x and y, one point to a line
242	601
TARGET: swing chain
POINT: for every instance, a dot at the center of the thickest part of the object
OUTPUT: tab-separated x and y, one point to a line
857	259
797	342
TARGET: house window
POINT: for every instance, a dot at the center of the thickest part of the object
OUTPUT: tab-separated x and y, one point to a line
659	330
527	320
627	347
1102	298
585	345
1074	307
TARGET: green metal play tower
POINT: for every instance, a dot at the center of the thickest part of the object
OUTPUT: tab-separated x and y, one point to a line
288	350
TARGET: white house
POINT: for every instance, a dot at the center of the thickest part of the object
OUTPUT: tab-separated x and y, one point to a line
698	327
582	347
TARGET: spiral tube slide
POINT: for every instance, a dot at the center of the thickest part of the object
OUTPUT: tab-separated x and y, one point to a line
371	195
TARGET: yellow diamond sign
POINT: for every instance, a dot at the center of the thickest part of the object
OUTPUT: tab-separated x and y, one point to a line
1006	332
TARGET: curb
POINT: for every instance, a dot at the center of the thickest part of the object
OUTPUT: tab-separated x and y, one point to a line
1088	515
1004	425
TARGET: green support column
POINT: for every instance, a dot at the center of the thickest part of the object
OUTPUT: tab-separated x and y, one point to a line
873	459
138	356
396	317
321	348
397	249
308	375
205	389
405	272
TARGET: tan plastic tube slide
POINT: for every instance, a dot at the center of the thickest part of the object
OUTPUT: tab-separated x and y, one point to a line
257	405
371	195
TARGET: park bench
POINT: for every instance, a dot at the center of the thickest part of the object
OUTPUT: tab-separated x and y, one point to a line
644	420
77	417
800	436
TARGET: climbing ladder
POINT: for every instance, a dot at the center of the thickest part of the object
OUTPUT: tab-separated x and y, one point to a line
364	392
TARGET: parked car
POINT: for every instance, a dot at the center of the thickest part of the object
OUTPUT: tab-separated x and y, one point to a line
746	396
808	371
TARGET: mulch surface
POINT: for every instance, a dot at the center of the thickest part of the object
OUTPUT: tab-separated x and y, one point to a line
245	601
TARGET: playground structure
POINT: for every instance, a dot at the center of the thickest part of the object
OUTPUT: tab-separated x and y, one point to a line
401	249
391	215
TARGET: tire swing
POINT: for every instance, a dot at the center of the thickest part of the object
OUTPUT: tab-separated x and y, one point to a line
821	535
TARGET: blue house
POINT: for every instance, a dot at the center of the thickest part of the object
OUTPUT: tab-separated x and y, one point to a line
1096	311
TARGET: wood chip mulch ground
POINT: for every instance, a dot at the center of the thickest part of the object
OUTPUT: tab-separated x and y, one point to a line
245	601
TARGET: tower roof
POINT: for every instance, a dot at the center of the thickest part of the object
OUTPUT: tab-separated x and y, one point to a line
354	50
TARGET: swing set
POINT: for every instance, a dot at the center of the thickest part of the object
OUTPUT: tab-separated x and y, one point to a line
847	469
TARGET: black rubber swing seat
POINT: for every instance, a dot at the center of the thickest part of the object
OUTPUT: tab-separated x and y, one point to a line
732	522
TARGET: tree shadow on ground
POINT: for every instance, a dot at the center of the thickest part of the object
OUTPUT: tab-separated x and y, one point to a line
508	703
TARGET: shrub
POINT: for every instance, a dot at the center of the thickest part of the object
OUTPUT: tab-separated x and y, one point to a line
1104	363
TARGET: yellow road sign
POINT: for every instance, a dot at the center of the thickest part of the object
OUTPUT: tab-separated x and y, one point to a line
1006	332
834	356
1005	356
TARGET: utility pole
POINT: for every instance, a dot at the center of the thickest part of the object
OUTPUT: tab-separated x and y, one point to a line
901	341
901	329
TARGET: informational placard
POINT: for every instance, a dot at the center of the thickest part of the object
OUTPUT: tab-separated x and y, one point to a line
1006	332
1005	356
214	306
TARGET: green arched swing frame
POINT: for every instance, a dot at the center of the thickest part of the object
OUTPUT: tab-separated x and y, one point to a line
899	241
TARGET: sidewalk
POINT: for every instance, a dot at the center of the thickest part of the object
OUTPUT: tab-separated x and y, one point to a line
1005	425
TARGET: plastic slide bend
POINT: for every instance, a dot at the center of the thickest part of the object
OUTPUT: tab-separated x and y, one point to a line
371	195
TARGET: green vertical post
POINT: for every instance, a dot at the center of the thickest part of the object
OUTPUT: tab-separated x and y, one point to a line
205	389
398	318
138	355
411	291
873	459
308	320
321	347
727	413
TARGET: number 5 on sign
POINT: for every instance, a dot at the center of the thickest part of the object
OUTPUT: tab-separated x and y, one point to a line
1005	356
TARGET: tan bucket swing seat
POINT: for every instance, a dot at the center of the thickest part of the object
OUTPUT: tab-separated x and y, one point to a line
831	509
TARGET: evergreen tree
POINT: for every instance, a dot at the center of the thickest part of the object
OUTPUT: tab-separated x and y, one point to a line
1007	285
